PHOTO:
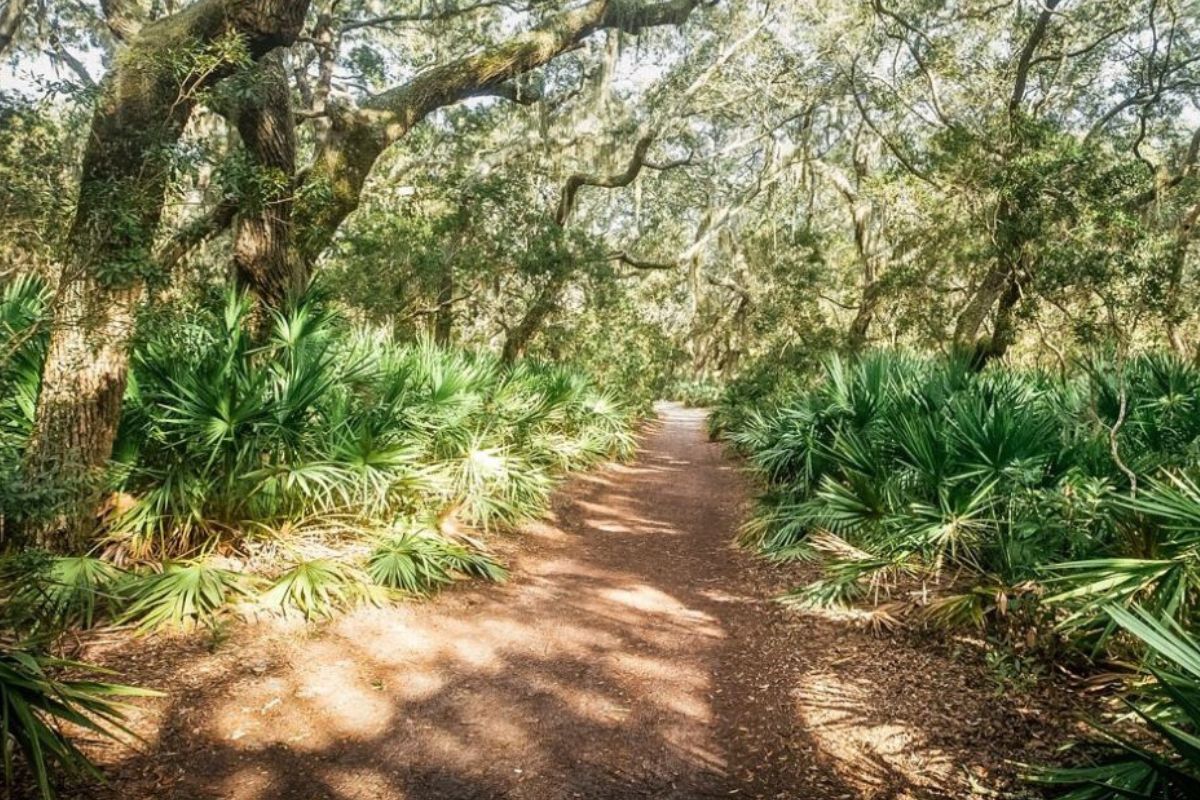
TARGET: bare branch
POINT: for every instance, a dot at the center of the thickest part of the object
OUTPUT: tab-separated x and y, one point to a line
662	166
512	92
60	53
637	263
623	178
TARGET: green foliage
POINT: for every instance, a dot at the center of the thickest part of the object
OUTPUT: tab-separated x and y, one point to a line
317	587
696	394
982	483
241	433
225	437
45	592
180	595
1008	500
38	146
34	703
23	340
422	562
1169	766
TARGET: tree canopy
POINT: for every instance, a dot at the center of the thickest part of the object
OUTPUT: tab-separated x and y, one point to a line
372	268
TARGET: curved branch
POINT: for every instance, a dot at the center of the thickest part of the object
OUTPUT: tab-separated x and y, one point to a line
358	136
196	233
1036	36
431	16
623	178
636	263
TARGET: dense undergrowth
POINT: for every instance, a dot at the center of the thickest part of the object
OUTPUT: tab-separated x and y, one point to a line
1059	513
292	464
695	394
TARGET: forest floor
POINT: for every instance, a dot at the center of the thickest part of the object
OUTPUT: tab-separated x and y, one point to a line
634	653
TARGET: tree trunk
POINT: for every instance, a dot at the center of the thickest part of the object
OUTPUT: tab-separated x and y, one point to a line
263	257
971	320
142	111
1174	312
1001	288
443	317
10	22
861	325
543	305
1004	329
1004	297
79	407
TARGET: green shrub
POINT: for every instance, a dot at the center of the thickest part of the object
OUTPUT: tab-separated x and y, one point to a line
696	394
35	702
897	466
318	587
225	434
23	341
1168	766
46	592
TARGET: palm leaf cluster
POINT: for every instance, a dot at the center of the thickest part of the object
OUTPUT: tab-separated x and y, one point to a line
280	461
1072	497
990	486
1166	762
226	432
298	462
23	341
44	594
36	702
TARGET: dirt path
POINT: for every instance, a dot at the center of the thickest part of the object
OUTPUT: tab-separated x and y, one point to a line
634	654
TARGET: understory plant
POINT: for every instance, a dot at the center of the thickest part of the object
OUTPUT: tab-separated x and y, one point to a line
280	461
226	434
1049	510
967	491
1166	763
285	454
36	701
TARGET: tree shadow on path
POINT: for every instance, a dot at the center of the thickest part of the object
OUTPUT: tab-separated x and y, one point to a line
635	653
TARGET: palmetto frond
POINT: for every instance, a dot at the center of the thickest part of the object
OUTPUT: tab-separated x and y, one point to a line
317	588
35	704
421	562
51	592
1169	767
1002	474
181	595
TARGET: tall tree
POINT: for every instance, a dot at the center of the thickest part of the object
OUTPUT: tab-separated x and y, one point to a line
146	100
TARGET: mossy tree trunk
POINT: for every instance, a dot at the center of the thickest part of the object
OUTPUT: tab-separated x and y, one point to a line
141	114
263	257
10	21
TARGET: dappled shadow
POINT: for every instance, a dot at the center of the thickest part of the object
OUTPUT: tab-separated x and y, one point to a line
634	654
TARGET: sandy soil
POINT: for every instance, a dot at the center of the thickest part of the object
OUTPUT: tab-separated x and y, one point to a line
634	653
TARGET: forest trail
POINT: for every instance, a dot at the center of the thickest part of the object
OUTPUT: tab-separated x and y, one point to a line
634	653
